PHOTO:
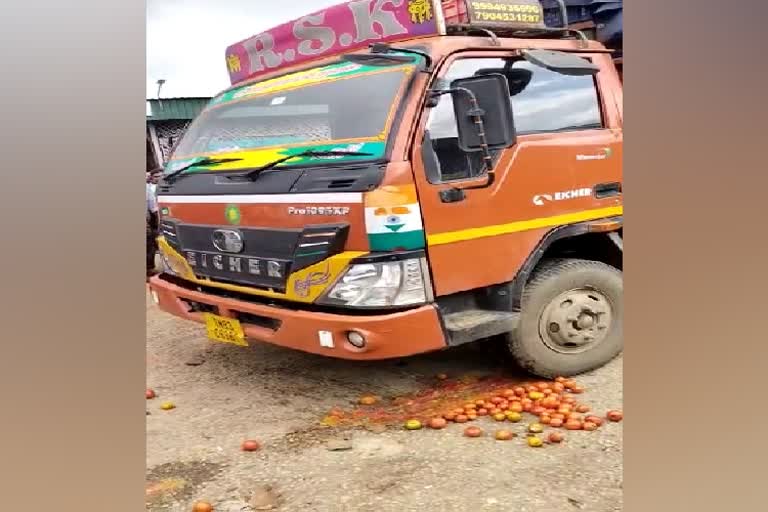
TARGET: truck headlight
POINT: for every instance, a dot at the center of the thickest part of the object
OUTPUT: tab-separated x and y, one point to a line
389	283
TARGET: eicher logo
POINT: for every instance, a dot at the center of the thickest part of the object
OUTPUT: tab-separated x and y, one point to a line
540	199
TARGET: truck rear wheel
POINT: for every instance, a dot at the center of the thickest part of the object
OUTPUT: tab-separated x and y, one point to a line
570	319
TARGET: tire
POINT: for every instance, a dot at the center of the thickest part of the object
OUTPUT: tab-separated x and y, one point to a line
559	291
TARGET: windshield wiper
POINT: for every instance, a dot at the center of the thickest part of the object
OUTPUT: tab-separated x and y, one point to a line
203	162
254	173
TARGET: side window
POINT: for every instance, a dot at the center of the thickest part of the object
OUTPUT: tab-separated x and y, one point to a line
543	101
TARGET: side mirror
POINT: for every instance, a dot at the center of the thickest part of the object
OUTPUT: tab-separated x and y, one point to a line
484	98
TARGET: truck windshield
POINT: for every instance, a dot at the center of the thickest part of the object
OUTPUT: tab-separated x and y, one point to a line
344	106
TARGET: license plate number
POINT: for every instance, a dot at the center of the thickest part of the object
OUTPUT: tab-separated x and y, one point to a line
224	330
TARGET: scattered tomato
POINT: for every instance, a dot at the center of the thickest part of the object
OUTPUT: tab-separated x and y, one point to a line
202	506
473	432
503	435
597	420
582	408
534	441
573	425
499	416
437	423
412	425
368	400
614	415
575	417
150	394
556	437
461	418
514	416
556	422
589	426
250	445
167	406
535	428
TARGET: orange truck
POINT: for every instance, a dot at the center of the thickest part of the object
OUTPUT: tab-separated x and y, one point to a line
386	178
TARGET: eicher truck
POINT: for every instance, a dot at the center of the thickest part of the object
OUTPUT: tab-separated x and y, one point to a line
386	178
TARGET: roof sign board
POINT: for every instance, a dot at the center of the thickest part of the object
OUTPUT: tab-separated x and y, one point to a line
334	30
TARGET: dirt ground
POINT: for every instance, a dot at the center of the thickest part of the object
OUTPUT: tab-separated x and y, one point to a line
224	394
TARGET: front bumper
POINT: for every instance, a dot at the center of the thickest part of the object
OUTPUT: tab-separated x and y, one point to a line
387	335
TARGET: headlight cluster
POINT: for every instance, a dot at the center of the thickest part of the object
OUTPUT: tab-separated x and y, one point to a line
390	283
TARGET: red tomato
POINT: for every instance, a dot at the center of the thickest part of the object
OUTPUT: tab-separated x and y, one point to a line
473	432
496	400
250	445
480	403
597	420
560	380
556	422
150	394
437	423
582	408
450	416
519	391
558	387
527	407
516	406
508	393
482	412
588	425
458	411
568	400
556	437
557	416
470	406
541	386
503	435
461	418
202	506
615	415
494	411
538	410
573	425
545	419
577	390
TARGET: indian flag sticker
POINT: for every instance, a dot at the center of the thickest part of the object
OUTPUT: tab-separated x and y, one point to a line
232	213
393	219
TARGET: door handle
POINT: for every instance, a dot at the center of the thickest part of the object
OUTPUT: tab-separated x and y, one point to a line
603	190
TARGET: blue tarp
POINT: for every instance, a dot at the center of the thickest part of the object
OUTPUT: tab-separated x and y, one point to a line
606	14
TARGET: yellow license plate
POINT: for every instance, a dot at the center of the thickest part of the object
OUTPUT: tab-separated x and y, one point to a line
224	330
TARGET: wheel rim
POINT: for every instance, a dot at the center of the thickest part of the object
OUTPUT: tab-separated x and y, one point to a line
576	321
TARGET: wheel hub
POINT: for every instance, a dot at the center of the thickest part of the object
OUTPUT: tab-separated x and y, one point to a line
575	320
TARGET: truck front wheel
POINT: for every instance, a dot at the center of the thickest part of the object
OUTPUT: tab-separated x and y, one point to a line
570	319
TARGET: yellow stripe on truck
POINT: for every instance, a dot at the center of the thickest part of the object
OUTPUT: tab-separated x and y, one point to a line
450	237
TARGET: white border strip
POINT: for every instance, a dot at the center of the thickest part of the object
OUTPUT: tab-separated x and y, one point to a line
343	198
